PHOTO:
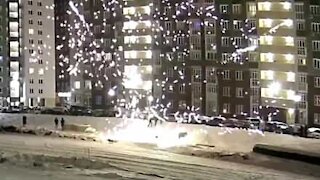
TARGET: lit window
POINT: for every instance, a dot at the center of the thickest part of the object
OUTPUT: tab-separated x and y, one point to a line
31	70
264	6
77	85
267	75
41	71
291	77
31	31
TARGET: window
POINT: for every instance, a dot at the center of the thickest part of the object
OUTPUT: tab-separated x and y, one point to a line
39	3
301	25
31	81
252	9
30	12
317	82
239	109
40	42
316	45
225	41
170	72
316	118
224	8
30	41
31	31
226	91
39	32
180	40
40	91
226	108
1	69
40	23
41	71
31	91
40	81
301	43
237	24
211	56
316	63
302	78
40	61
224	24
31	70
253	56
39	13
30	2
1	79
211	88
226	75
315	10
180	56
168	26
239	75
180	25
238	41
182	88
236	8
317	100
195	55
315	27
196	74
77	85
252	24
239	92
30	21
302	61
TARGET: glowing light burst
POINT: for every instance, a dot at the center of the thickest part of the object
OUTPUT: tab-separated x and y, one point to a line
133	129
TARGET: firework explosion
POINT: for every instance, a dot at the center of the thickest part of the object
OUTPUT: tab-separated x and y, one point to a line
109	65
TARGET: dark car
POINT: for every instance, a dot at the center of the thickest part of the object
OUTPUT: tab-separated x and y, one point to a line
216	121
80	111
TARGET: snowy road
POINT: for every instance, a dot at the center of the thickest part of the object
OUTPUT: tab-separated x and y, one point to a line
131	161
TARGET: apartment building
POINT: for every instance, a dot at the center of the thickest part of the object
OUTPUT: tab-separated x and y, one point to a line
4	90
38	53
244	58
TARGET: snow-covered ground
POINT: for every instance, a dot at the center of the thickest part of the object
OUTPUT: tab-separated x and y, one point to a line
169	134
56	160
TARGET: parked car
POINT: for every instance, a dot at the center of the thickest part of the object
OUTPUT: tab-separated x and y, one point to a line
13	109
254	122
216	121
295	129
278	127
231	123
80	111
56	110
313	133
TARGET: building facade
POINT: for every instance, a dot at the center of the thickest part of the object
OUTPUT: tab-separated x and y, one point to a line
236	59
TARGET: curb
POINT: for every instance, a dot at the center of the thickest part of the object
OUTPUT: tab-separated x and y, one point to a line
287	153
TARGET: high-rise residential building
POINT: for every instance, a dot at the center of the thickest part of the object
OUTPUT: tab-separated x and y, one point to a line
38	53
4	90
236	59
28	57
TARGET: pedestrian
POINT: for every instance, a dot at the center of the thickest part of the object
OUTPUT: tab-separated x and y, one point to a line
62	124
24	121
56	122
